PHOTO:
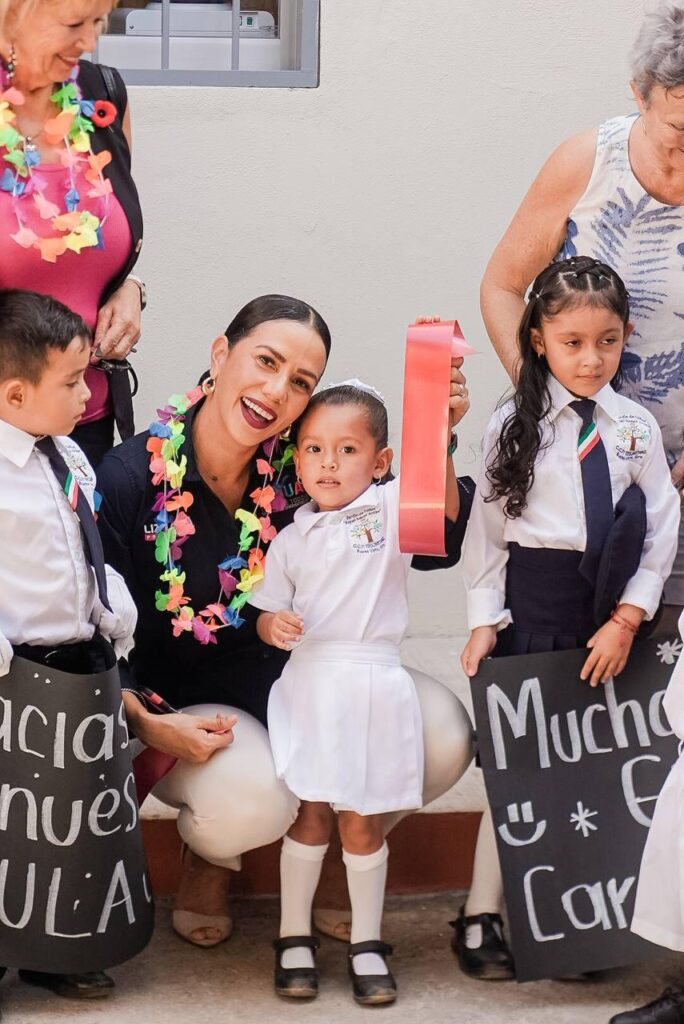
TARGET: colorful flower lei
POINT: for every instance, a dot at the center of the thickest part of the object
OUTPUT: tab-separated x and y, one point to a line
172	526
76	228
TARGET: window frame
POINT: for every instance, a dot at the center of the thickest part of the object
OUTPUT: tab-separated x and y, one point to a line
305	29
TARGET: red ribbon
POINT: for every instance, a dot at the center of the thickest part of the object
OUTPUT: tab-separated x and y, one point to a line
149	767
430	348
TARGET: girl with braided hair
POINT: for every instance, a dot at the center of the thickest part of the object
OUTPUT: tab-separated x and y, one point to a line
574	525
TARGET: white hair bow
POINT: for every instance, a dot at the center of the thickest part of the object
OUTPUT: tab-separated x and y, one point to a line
359	385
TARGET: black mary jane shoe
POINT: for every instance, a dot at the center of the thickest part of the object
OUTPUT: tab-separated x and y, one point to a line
295	982
372	989
90	985
666	1009
490	961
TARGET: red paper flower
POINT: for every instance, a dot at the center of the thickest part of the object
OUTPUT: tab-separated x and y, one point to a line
104	113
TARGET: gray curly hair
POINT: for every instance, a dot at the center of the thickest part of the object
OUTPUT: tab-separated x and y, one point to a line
657	56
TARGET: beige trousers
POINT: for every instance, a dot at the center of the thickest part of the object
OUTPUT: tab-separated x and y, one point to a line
235	803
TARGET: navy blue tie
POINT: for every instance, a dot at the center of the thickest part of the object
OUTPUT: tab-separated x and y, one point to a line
92	543
598	495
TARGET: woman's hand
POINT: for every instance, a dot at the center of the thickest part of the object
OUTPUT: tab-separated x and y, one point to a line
281	629
480	645
459	402
118	322
187	737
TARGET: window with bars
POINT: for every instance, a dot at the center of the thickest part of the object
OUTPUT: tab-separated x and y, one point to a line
214	42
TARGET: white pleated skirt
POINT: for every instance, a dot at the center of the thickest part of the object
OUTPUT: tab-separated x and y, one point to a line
345	727
659	906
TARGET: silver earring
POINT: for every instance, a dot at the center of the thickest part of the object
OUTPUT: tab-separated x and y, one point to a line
11	64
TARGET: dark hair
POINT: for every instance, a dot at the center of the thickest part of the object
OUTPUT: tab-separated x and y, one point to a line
568	284
30	325
276	307
347	394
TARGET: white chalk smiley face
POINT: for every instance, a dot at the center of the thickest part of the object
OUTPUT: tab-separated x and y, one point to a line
525	814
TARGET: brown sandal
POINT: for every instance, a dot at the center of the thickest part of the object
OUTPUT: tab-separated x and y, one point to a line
201	929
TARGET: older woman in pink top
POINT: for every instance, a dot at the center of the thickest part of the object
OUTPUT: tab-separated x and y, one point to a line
70	218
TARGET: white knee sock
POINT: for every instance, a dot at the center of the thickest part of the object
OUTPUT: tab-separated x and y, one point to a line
366	877
300	870
486	891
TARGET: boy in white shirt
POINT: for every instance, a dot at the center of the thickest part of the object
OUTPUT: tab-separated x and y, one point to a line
59	604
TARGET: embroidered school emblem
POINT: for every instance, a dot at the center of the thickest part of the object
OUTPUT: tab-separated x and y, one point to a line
633	437
79	475
366	531
78	464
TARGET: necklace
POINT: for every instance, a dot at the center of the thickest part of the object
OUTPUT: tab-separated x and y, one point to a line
75	228
238	573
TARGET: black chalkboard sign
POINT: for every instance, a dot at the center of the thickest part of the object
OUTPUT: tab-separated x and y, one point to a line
572	775
73	890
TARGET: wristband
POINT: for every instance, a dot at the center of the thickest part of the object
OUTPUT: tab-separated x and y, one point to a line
624	623
143	290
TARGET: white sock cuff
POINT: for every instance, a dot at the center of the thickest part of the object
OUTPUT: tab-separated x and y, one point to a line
294	849
365	861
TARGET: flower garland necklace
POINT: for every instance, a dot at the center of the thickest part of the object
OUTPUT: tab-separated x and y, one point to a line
172	526
77	228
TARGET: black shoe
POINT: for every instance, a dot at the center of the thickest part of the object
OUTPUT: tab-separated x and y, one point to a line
666	1009
492	960
295	982
372	989
91	985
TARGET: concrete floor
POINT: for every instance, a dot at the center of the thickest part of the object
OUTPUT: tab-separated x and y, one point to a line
174	983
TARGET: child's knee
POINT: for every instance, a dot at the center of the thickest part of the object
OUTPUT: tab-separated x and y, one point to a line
360	833
313	824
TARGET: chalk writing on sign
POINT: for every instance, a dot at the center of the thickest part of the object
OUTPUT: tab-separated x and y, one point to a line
572	775
73	890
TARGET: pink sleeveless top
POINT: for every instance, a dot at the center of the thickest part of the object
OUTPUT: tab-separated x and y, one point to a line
77	280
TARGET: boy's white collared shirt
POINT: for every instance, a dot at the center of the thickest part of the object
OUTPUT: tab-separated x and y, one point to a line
321	567
48	593
554	517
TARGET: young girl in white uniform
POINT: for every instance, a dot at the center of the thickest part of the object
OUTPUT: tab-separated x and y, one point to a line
574	525
343	718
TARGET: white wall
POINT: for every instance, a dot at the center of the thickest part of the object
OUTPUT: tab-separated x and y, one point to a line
376	197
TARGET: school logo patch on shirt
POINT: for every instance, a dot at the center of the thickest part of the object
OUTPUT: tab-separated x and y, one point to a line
79	465
366	530
633	437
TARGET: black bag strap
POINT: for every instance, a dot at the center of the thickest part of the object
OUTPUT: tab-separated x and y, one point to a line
115	88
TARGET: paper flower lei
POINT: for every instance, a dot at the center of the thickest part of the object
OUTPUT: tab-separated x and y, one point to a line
76	228
238	573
